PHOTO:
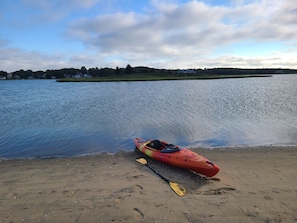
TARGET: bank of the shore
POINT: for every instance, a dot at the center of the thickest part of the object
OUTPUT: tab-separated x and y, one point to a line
157	78
256	185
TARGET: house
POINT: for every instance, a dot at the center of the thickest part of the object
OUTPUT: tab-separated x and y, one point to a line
187	71
77	75
87	75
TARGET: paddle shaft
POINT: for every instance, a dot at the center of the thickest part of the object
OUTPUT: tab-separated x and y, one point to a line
157	173
178	189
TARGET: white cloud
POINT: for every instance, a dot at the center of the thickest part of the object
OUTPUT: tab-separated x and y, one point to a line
180	32
168	34
267	21
276	60
104	24
179	27
193	18
12	59
28	60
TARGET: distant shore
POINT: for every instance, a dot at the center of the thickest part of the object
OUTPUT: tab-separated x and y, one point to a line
255	184
157	78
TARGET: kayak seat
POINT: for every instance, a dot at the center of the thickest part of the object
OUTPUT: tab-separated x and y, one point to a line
155	144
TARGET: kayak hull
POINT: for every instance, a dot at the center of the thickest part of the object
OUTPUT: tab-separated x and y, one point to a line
178	157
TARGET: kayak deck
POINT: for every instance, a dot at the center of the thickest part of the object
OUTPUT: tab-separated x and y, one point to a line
176	156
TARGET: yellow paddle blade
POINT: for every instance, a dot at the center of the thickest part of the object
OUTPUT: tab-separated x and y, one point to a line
178	189
142	161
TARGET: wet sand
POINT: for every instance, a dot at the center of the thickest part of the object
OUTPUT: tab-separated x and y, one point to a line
254	185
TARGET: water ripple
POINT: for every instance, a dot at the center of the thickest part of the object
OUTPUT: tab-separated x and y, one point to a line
46	118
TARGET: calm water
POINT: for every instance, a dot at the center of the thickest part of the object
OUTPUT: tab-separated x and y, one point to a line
50	119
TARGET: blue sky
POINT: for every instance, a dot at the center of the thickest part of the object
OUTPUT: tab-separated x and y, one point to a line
174	34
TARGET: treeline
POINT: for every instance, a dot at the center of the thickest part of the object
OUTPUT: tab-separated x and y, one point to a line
83	72
135	71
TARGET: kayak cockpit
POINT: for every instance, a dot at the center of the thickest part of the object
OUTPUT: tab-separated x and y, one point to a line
162	146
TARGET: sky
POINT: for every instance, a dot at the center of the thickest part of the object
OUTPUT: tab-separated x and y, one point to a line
171	34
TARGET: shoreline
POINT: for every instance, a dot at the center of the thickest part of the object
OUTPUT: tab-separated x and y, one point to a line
195	149
204	148
160	78
255	184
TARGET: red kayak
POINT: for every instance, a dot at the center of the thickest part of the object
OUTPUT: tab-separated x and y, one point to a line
176	156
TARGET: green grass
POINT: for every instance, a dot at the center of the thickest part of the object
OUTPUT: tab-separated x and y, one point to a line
154	78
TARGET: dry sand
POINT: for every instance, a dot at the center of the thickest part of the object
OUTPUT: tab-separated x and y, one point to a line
255	185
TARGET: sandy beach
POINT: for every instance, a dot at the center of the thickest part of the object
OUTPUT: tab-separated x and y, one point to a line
254	185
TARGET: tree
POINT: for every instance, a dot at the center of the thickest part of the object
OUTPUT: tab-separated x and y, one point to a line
129	69
3	73
19	74
118	71
84	70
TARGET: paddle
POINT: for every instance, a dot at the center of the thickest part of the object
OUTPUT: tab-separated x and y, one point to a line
178	189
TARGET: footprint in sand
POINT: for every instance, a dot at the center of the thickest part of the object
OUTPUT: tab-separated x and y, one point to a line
125	192
117	202
219	191
134	177
137	213
129	190
268	198
140	189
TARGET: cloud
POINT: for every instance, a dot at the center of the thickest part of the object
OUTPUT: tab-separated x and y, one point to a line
186	31
32	60
13	58
166	31
276	60
266	20
4	42
165	34
28	60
